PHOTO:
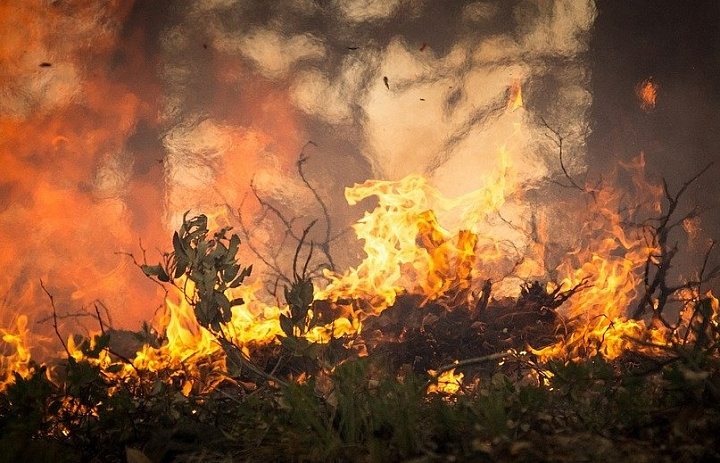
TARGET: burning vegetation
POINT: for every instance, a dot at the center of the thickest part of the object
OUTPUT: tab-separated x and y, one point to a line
542	312
455	335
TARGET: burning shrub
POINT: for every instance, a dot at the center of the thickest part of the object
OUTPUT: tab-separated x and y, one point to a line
210	264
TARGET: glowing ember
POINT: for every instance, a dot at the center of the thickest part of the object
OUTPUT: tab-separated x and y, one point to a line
515	101
647	91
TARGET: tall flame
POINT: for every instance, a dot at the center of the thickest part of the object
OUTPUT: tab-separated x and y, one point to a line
417	240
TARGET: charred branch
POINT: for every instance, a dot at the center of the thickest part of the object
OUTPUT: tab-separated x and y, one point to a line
657	290
559	139
55	319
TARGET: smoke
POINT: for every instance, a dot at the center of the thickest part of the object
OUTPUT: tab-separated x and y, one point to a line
117	118
76	186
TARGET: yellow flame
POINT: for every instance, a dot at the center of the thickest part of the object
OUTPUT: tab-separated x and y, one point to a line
418	241
407	248
15	358
448	382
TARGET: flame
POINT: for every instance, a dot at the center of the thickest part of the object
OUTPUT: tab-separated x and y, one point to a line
515	101
646	92
448	382
693	229
15	358
409	250
608	266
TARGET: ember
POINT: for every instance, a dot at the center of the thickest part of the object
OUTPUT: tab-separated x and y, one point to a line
647	93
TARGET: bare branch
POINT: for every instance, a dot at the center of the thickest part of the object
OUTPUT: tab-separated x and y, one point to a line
559	138
325	245
55	324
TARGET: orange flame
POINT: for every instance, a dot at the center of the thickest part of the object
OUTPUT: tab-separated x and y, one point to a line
647	91
516	100
608	265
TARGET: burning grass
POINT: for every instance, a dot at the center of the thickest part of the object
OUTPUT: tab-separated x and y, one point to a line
454	339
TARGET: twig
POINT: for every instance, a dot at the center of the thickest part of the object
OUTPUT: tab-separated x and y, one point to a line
238	356
139	265
559	142
100	322
279	274
301	241
325	245
55	324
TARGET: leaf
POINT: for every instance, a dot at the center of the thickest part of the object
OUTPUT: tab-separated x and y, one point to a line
286	325
234	245
306	292
246	272
114	368
181	267
163	276
102	341
231	272
201	222
202	248
219	252
178	246
237	301
151	270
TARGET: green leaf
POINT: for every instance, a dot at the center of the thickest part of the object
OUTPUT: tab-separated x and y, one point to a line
234	245
219	252
238	281
237	301
180	267
163	276
231	272
178	246
202	248
286	325
222	301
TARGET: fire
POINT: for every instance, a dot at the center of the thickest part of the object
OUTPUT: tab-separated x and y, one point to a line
419	241
515	101
647	91
15	358
448	382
